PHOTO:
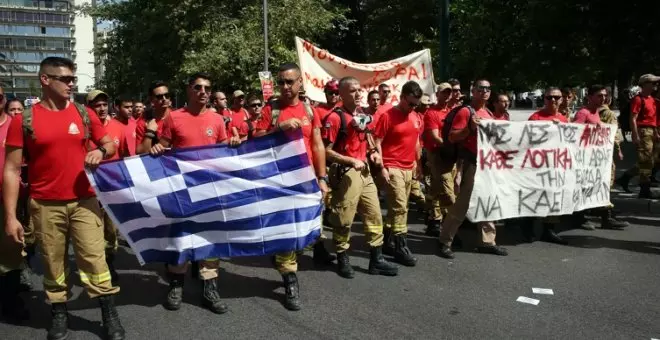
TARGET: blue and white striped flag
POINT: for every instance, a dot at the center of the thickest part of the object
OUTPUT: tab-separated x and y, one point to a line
214	201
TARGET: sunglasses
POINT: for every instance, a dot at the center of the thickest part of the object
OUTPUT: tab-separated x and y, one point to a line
387	91
553	98
255	105
286	81
163	96
199	87
484	88
456	90
332	93
64	79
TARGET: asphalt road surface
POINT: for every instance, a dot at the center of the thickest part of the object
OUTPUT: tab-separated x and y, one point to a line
605	286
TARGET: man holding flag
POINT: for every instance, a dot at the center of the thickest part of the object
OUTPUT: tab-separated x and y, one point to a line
193	125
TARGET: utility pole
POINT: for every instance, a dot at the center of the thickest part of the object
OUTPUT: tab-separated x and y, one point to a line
444	40
265	35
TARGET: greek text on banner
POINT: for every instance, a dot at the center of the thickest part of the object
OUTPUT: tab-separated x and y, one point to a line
318	66
540	169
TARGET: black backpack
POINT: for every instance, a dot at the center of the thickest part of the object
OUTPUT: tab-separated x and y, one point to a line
452	151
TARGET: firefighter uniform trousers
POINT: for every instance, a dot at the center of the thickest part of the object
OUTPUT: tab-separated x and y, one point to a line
645	154
11	257
354	192
457	212
416	193
80	220
398	191
442	195
288	262
109	234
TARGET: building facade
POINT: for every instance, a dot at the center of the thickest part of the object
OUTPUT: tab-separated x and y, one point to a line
31	30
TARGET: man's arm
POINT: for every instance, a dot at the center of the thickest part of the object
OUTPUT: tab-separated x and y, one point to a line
10	188
334	157
319	153
435	135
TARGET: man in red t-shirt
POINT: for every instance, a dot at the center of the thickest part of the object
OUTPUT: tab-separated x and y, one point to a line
242	130
150	126
346	138
124	107
289	113
193	125
464	132
62	200
98	101
331	91
643	123
11	260
384	92
138	110
237	111
442	171
397	140
456	95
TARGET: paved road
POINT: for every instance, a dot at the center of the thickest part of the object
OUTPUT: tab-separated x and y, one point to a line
605	285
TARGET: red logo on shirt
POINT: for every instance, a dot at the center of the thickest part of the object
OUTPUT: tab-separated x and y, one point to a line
209	132
305	121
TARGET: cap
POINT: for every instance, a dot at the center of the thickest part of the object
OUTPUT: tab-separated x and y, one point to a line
91	96
442	86
648	78
332	85
425	100
238	93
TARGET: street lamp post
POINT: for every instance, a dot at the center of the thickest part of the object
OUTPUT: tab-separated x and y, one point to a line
444	40
265	35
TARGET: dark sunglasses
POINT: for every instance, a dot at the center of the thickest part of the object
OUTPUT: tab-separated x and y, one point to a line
255	105
163	96
483	88
286	81
199	87
456	90
332	93
64	79
387	91
553	98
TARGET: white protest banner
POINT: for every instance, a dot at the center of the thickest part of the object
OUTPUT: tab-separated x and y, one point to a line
540	169
318	66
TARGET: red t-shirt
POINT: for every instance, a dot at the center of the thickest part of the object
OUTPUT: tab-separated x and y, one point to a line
238	114
130	132
543	115
461	121
649	115
57	155
399	133
117	133
289	112
584	116
141	128
434	119
4	126
184	129
323	110
505	116
354	143
242	126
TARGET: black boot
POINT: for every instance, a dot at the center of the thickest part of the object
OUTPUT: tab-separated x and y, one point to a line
175	294
211	298
112	328
13	307
194	270
292	291
110	260
608	221
457	243
344	268
402	253
388	242
623	182
25	284
645	191
59	328
321	255
549	235
445	251
433	228
378	265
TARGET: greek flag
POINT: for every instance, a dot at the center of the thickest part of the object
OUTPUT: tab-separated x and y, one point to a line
214	201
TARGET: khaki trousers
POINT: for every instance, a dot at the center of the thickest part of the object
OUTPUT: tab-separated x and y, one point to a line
398	191
442	195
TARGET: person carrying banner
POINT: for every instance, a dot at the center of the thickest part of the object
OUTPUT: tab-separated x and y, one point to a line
11	259
98	101
53	135
123	107
149	128
346	139
193	125
596	98
461	126
397	140
443	170
288	113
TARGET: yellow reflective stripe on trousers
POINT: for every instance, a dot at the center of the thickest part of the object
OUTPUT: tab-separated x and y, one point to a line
94	278
374	228
59	281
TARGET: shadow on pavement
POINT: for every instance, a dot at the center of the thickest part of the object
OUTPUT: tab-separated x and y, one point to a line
594	242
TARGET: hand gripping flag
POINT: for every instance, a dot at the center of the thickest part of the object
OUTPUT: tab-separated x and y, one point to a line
214	201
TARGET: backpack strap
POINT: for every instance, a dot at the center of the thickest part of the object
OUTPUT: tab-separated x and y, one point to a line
343	131
309	111
84	115
250	128
275	113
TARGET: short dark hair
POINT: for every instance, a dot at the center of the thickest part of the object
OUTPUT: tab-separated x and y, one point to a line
371	93
412	88
156	84
552	88
476	81
453	82
11	101
382	85
566	90
57	62
252	98
346	80
287	67
198	75
595	89
123	99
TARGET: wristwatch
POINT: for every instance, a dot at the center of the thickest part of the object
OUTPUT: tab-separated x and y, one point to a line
103	151
324	179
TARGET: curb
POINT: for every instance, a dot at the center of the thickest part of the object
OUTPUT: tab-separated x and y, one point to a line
636	205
